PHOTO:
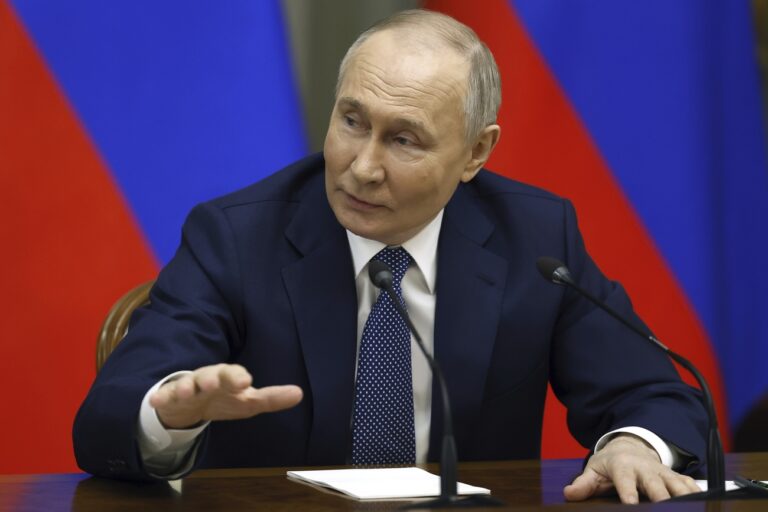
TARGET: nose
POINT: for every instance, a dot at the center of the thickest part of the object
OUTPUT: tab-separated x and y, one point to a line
367	167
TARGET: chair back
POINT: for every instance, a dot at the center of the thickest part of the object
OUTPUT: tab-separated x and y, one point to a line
115	325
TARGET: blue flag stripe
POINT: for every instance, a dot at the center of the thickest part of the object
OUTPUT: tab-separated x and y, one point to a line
186	100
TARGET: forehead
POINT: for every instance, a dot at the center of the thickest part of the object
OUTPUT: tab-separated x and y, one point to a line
398	71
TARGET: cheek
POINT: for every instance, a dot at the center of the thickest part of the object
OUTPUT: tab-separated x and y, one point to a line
430	190
330	144
414	189
337	150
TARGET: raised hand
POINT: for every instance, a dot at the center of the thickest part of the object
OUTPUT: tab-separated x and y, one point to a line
218	392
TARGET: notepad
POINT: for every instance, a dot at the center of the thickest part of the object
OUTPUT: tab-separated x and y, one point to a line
381	484
729	485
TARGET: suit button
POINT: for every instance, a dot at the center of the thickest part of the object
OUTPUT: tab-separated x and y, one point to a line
116	465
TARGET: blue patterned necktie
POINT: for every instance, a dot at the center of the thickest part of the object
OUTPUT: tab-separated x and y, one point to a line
382	427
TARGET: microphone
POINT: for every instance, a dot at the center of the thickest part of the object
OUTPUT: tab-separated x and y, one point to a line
553	270
381	276
556	271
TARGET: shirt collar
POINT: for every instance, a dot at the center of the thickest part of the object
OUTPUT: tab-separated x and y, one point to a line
422	247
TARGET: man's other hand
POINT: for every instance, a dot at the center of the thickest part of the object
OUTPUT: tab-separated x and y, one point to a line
630	466
219	392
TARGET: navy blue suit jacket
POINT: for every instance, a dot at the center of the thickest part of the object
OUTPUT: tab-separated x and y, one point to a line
264	278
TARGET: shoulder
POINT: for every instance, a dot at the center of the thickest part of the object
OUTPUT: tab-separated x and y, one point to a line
504	215
265	206
511	201
489	185
288	185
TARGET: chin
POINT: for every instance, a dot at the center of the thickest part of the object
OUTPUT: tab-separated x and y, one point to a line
370	234
351	220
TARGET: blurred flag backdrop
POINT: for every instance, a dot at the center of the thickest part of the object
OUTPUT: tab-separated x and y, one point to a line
648	116
116	117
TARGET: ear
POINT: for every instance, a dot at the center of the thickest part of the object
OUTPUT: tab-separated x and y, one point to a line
481	151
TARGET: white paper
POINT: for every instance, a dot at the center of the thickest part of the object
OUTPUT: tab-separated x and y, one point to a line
382	484
729	485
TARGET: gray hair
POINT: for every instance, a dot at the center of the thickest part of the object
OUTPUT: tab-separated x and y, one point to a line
481	106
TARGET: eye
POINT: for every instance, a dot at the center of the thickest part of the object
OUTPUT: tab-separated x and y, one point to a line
350	121
402	140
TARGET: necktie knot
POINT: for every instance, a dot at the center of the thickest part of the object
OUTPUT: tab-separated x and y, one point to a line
398	260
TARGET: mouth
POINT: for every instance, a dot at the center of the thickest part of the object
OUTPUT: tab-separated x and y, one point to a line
359	204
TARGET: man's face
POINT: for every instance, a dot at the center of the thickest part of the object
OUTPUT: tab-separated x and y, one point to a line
395	150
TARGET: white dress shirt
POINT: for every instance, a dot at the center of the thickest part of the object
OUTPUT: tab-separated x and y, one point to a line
166	452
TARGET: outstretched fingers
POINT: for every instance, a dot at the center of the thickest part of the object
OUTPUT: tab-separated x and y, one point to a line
274	398
218	392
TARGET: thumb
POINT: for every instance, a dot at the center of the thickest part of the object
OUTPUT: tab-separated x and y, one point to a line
586	485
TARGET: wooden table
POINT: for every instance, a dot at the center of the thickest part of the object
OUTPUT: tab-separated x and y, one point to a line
523	485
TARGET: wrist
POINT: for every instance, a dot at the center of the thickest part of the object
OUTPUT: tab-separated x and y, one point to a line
624	439
176	422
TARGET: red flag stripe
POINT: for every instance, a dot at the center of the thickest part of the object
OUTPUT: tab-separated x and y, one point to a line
71	248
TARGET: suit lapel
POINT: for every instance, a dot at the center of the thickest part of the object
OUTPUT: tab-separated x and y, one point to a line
470	286
322	291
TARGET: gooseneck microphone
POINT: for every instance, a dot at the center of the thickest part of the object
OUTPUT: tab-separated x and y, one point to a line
555	271
381	277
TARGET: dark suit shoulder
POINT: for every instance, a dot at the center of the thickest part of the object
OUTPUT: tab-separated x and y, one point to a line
288	185
488	183
508	204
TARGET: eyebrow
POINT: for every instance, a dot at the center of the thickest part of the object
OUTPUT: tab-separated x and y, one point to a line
400	121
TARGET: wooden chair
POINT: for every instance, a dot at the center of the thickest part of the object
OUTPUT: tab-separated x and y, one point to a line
116	324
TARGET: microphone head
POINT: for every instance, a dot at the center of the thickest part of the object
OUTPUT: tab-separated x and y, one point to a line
380	274
553	270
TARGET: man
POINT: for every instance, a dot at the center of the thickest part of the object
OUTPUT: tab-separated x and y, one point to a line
270	287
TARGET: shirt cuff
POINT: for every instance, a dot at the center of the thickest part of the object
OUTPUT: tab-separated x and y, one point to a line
154	438
668	454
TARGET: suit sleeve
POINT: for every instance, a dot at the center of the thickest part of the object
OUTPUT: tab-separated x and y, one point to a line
194	320
607	376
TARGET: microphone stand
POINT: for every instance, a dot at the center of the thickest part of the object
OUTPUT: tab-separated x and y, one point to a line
558	273
381	276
